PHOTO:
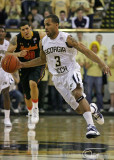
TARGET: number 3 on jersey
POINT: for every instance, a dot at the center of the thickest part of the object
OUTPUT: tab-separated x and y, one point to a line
58	62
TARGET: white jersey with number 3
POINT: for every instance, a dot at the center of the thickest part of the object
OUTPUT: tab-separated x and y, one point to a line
60	58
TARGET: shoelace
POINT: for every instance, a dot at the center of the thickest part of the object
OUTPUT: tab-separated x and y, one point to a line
98	115
90	127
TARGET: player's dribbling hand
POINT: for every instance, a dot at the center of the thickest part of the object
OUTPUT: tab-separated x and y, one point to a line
106	70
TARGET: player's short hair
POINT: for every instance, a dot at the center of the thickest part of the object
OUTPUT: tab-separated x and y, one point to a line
62	12
3	27
23	23
79	9
8	35
99	35
54	18
34	8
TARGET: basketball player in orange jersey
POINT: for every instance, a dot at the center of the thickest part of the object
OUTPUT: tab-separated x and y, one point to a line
58	49
25	46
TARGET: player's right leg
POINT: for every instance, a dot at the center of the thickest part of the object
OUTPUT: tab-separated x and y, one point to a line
27	94
85	109
61	86
34	97
6	100
29	106
31	125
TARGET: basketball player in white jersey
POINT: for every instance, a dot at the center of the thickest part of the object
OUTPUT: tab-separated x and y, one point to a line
58	49
4	78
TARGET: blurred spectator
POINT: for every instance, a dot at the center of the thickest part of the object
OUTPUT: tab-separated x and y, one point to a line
63	21
44	5
78	4
18	2
8	36
37	17
94	77
33	23
27	5
3	14
16	96
104	52
111	79
103	48
60	5
99	3
80	38
90	13
46	13
80	21
2	4
13	11
55	99
80	58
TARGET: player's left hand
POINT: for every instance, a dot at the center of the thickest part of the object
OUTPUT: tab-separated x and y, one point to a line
106	70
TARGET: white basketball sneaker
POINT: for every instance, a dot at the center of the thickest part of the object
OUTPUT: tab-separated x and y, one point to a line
31	125
35	115
96	114
7	122
92	132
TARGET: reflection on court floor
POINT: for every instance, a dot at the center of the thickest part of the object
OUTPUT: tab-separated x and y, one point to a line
55	138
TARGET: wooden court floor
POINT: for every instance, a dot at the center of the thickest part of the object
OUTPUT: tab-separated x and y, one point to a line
55	138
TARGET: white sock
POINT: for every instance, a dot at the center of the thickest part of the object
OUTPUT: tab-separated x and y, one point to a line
30	112
7	113
35	103
88	118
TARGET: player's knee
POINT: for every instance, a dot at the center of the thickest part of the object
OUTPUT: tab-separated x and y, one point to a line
77	94
33	84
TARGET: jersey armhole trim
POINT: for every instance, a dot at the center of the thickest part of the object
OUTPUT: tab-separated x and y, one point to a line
68	45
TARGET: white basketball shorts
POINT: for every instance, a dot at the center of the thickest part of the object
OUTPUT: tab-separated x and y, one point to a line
4	79
66	83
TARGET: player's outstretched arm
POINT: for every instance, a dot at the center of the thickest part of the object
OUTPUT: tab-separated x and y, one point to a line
35	62
13	46
90	54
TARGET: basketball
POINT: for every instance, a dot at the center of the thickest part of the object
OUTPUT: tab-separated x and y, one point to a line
10	63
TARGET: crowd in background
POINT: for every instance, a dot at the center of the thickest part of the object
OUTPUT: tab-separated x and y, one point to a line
72	13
